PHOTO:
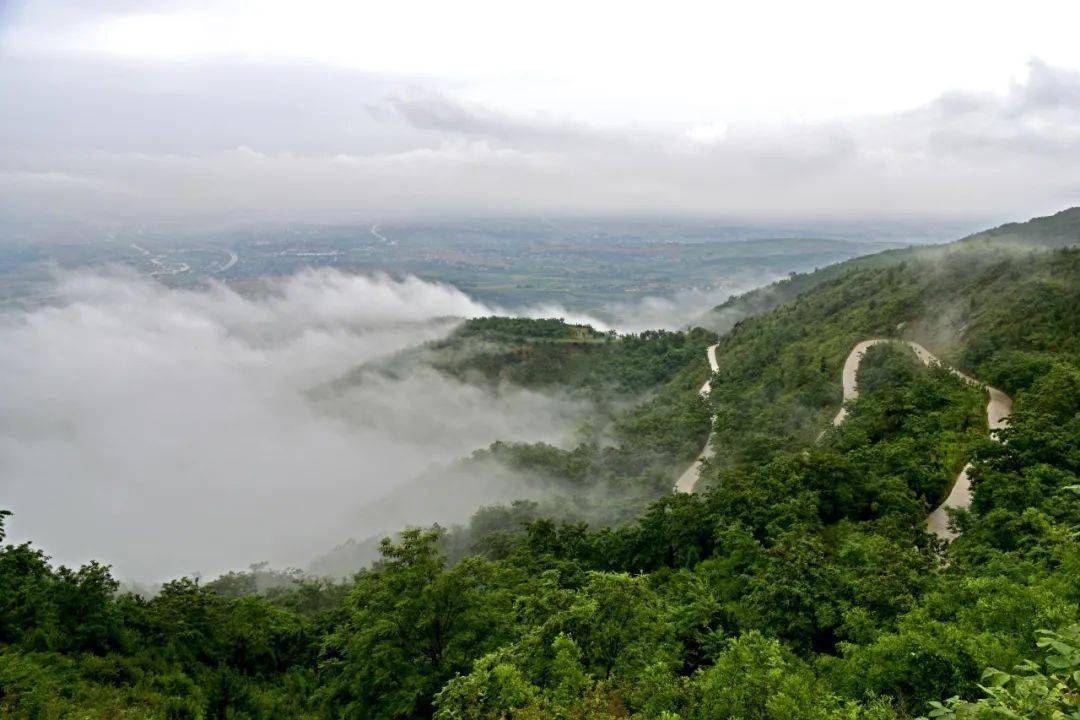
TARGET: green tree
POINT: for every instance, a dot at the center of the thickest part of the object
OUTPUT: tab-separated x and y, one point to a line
411	626
1033	692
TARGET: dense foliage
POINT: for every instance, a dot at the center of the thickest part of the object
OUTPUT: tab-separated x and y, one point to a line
650	415
1002	314
801	584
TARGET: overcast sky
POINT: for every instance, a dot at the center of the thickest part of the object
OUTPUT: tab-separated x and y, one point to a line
762	110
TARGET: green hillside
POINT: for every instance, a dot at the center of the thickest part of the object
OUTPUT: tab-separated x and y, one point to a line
543	354
643	388
645	417
1000	314
1059	230
800	584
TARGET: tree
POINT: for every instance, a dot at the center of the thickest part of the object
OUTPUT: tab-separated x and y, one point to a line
1050	691
754	677
412	624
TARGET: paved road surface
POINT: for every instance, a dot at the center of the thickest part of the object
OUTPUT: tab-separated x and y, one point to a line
998	410
688	479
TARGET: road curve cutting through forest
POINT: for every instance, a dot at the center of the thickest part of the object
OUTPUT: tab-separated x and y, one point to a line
688	479
998	410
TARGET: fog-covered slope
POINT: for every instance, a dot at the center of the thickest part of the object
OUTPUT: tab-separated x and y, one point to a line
1059	230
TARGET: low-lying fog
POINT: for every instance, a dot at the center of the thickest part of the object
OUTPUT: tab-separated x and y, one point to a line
171	431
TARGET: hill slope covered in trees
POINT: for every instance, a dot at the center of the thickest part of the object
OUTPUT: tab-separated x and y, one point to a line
799	584
1059	230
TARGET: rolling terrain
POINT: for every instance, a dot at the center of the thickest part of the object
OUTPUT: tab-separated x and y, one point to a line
798	581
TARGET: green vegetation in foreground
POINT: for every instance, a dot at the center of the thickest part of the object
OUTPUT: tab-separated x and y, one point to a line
801	586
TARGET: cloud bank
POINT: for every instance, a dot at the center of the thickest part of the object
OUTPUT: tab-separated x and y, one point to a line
172	431
109	139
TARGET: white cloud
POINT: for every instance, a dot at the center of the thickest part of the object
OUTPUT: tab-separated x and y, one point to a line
402	150
452	152
605	62
170	431
707	133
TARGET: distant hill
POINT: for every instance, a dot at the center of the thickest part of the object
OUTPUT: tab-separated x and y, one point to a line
1059	230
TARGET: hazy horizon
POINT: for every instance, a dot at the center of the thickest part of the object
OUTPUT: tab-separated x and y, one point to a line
190	109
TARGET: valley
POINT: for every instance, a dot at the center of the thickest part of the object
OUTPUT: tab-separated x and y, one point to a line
799	579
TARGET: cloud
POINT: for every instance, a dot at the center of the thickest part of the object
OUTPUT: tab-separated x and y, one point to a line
308	143
428	110
170	431
20	180
683	308
1047	87
456	152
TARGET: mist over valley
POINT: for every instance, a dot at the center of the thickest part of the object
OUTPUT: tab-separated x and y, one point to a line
574	361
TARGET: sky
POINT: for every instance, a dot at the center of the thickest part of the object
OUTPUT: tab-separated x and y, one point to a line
768	110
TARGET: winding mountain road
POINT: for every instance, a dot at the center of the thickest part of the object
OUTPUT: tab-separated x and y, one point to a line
998	410
688	479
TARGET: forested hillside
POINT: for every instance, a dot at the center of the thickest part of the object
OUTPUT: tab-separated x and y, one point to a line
1001	314
1059	230
800	583
645	417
